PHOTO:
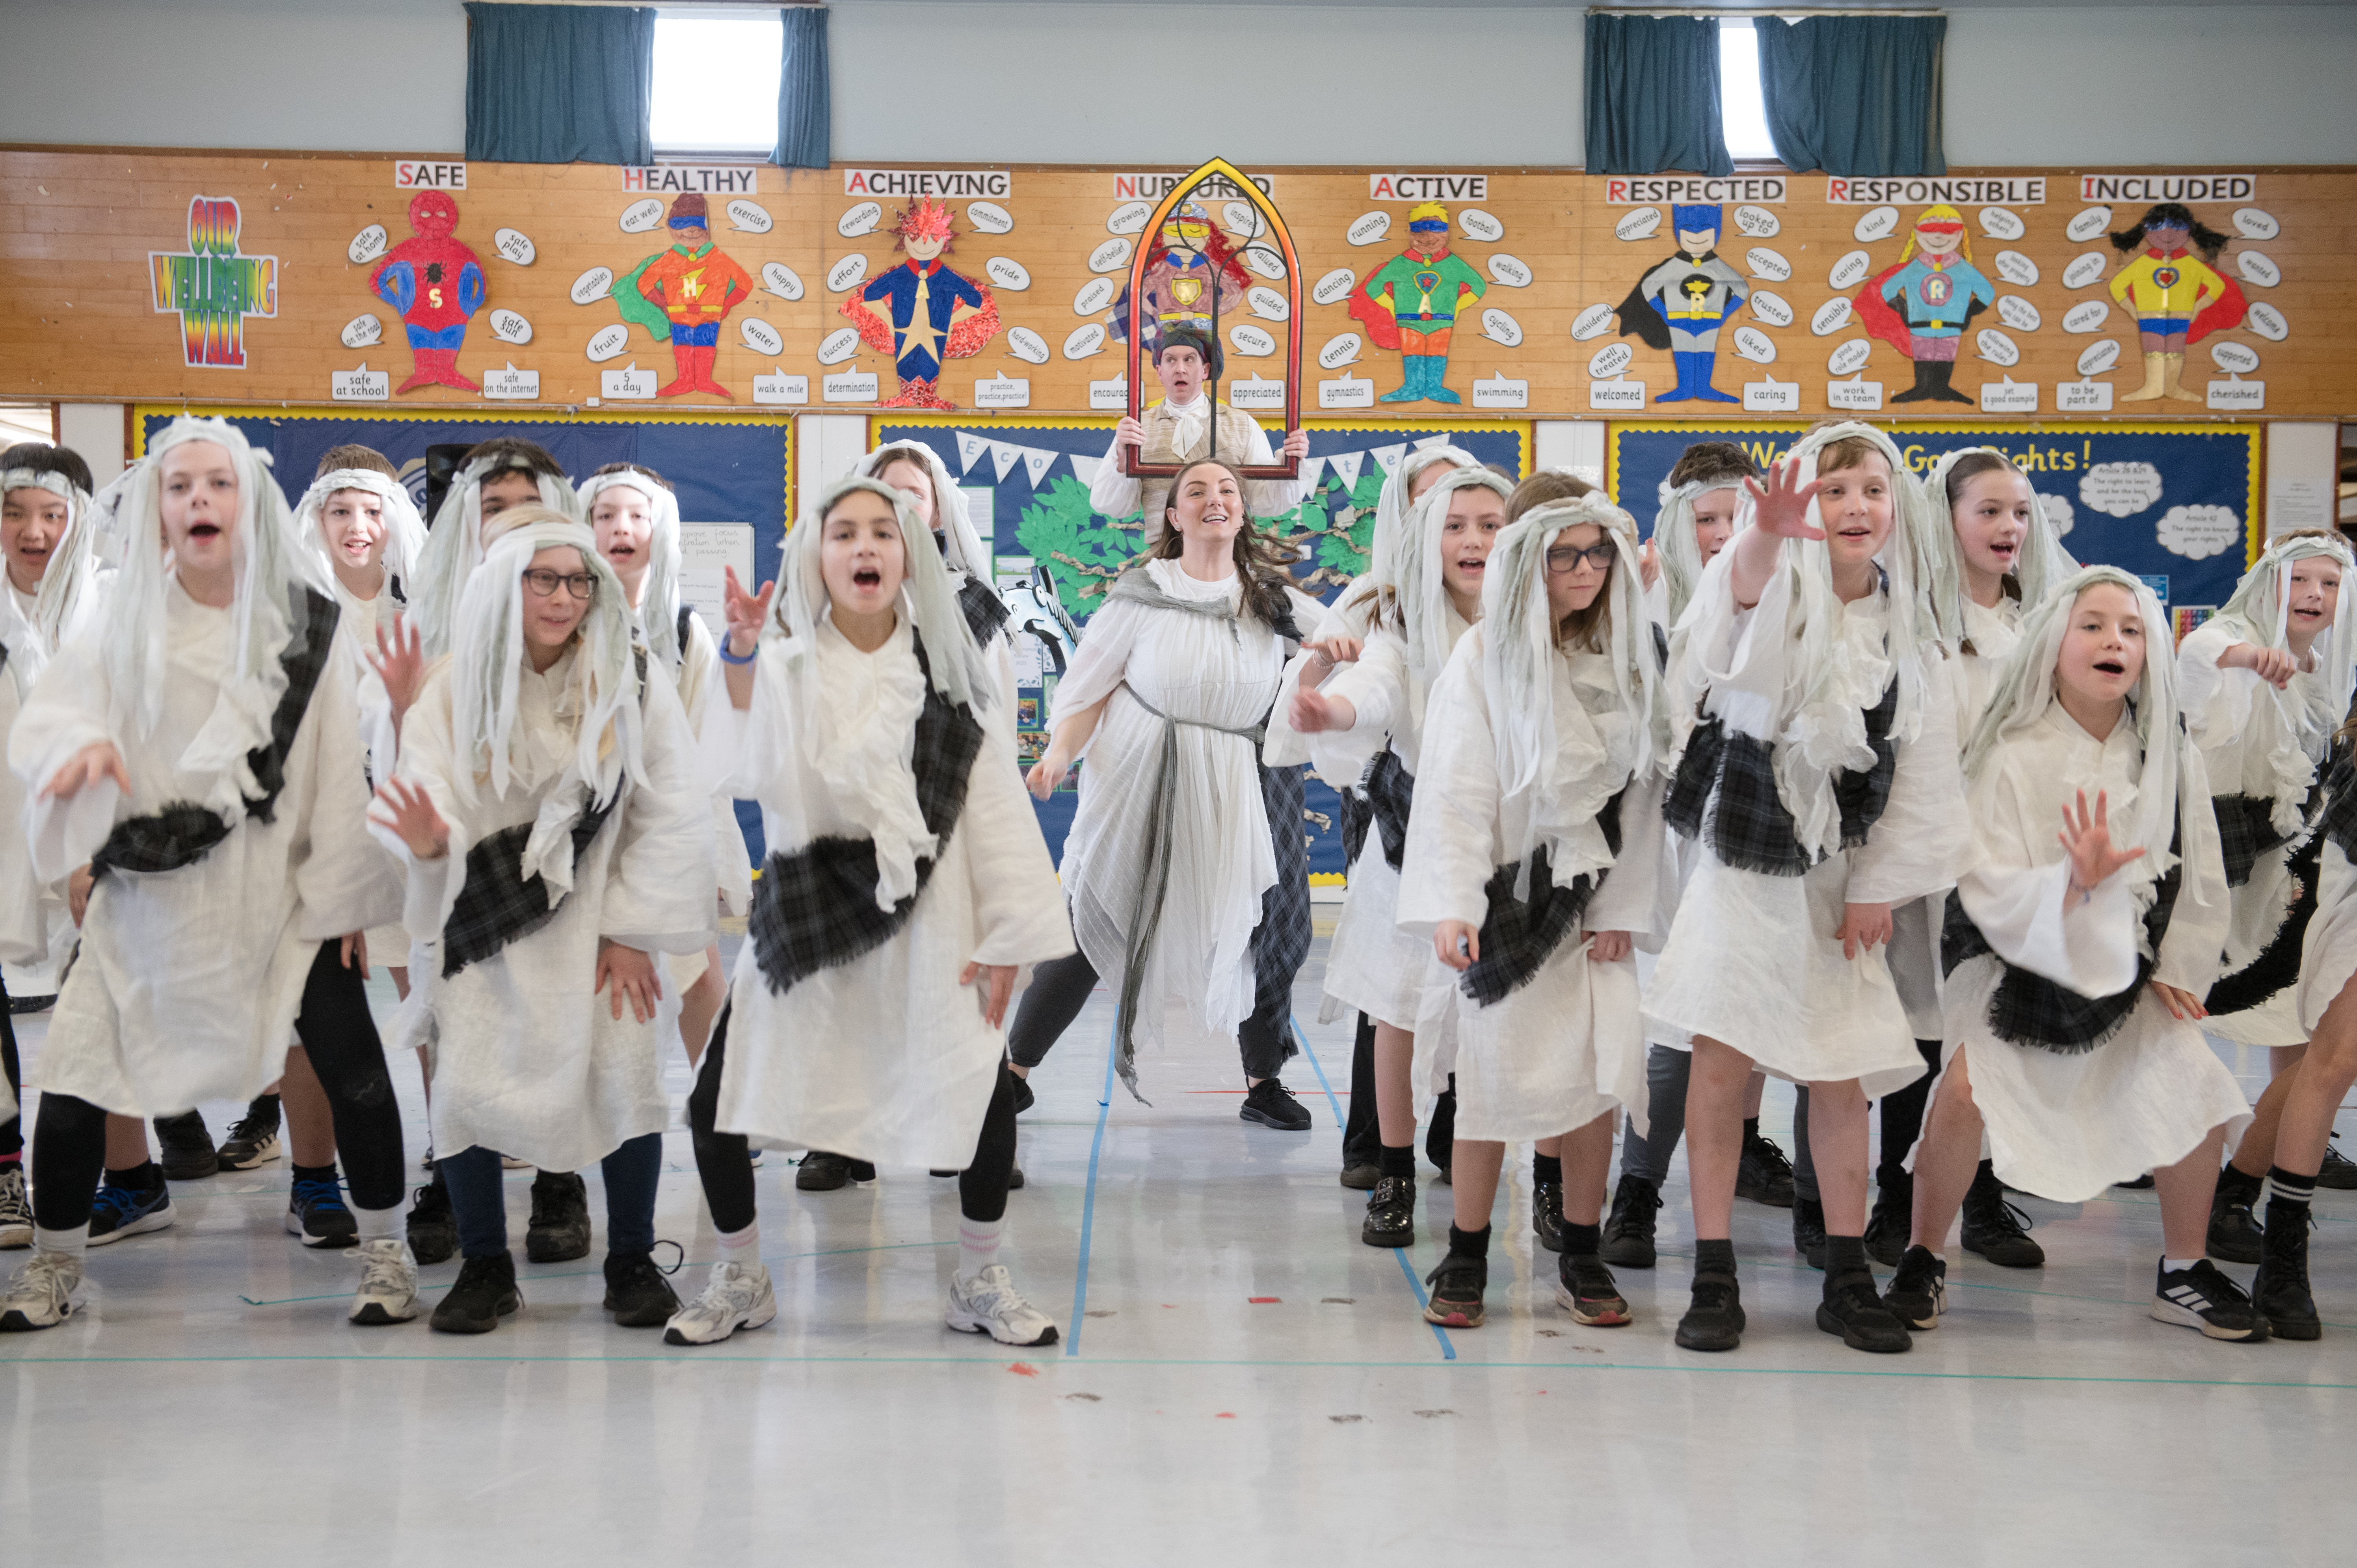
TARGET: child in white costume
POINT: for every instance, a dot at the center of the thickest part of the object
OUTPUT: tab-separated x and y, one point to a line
905	866
505	471
1362	728
557	837
1814	764
198	746
1532	855
2078	959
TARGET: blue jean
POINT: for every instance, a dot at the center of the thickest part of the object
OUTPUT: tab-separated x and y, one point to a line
478	1198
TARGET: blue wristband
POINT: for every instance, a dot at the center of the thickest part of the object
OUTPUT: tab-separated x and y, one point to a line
728	658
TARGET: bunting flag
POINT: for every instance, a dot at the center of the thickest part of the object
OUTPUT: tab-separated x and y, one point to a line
1309	467
1085	468
1039	462
1388	458
1036	461
1005	454
1345	466
969	449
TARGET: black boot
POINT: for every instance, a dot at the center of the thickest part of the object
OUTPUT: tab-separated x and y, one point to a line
1942	371
189	1154
1889	1227
1809	1230
559	1231
636	1292
485	1292
433	1226
2234	1233
1546	1214
1994	1229
2280	1292
1629	1229
1922	387
1763	1174
1391	1213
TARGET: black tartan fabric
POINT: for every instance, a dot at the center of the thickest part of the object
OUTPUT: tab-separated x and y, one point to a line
1391	794
184	833
2337	821
2277	967
1724	793
2246	830
1518	935
686	614
984	610
815	909
1281	941
1352	820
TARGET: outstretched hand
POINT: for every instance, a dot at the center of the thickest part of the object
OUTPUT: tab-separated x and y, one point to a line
1649	564
1781	507
632	973
2272	665
2087	839
997	985
1314	713
409	811
745	611
399	663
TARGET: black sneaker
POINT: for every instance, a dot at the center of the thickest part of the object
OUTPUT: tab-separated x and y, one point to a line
2338	1172
2235	1233
188	1151
636	1292
2138	1184
2200	1297
1852	1309
559	1231
485	1292
1271	1104
1629	1229
1390	1214
1996	1229
18	1006
1714	1320
2280	1290
1585	1288
433	1226
1362	1177
316	1215
117	1212
1893	1219
1023	1095
252	1138
1015	1179
1764	1175
1809	1230
1546	1214
825	1171
1457	1287
1919	1290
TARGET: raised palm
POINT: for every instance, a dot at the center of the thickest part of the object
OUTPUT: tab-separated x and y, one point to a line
1782	505
2087	838
744	611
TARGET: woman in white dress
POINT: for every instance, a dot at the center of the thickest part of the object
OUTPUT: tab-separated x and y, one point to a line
1185	865
907	886
1532	855
1361	729
2078	959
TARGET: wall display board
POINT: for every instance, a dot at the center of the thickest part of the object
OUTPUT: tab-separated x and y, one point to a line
2172	503
1426	293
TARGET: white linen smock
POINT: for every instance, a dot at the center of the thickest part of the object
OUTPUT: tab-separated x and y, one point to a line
701	690
37	928
2066	1125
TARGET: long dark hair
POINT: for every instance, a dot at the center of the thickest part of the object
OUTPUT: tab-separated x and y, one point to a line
1260	559
2206	240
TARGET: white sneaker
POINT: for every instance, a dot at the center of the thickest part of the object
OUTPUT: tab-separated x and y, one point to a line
41	1295
15	1213
989	1304
388	1292
737	1297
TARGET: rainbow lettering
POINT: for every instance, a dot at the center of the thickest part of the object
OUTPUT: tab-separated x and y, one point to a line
213	289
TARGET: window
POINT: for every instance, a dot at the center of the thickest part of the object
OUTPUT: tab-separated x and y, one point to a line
716	82
1742	112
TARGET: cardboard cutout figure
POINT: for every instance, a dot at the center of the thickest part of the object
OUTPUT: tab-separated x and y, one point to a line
1411	303
2177	296
934	313
683	295
437	285
1922	305
1680	305
1191	273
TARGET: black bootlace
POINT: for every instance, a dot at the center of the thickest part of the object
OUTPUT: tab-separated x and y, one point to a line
1765	1152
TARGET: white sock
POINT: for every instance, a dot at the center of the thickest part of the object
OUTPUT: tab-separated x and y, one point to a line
75	1240
742	1248
2177	1266
978	1245
380	1224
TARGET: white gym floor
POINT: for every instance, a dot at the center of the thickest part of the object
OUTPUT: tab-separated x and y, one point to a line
1240	1382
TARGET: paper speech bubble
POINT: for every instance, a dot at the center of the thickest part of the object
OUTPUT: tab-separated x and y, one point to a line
860	220
1767	263
1499	391
2252	223
2087	316
1850	271
749	217
2268	323
514	245
838	346
1129	217
1251	341
1027	345
2016	268
367	245
1082	342
1611	361
2088	224
510	327
2119	490
1638	222
1878	224
1755	345
1509	270
2198	532
1266	303
2258	268
1772	396
1476	224
2060	515
2086	267
2097	357
1334	287
1849	358
846	273
1008	273
1263	260
1095	295
761	336
640	217
1592	322
1111	256
2234	358
781	280
362	330
2019	313
1502	328
1242	219
608	342
1756	222
989	218
1771	309
1831	316
1340	350
2002	223
591	287
1368	227
1996	347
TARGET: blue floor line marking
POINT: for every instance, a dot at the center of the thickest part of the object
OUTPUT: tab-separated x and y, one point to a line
1089	1204
1302	1036
1448	1350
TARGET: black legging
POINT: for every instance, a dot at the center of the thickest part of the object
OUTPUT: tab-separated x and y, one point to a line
12	1131
1362	1138
1060	989
724	1161
339	1034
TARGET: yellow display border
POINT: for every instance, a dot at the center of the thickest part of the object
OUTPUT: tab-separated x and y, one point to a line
2254	524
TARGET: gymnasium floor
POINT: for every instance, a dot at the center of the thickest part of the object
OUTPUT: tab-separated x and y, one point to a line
1240	1379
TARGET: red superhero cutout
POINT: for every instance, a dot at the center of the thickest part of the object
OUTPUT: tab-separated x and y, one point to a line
437	283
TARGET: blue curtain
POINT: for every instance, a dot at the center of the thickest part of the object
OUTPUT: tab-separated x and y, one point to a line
559	84
1653	96
803	104
1854	95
